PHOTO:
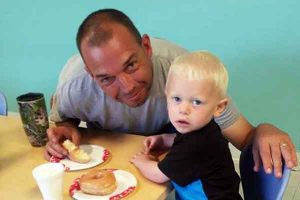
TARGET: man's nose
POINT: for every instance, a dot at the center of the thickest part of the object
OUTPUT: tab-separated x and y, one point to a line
126	83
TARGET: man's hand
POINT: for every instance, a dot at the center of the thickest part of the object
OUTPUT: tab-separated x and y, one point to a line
56	135
269	144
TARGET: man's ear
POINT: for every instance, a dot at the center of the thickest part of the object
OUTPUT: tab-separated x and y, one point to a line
146	44
220	107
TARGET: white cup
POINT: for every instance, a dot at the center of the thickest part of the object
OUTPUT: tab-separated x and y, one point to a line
49	177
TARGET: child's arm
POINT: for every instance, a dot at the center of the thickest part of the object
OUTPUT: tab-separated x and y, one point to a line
158	142
148	168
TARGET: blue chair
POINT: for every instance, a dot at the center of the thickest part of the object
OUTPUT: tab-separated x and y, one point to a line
259	185
3	104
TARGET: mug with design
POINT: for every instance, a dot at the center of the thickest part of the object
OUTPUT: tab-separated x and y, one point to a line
34	117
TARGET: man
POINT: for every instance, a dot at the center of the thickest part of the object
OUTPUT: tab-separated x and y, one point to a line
120	87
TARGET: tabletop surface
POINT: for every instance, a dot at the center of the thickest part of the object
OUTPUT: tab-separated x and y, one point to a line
18	158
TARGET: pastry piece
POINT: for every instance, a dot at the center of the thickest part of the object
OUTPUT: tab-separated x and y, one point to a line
75	153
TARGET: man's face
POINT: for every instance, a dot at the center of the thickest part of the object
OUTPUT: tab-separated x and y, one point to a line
121	66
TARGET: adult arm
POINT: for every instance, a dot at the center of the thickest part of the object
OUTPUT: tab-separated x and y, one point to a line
65	128
269	144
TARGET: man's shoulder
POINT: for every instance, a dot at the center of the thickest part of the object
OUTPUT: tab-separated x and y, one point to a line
166	49
163	54
82	83
73	68
79	85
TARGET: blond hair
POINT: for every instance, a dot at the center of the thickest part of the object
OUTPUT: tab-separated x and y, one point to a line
201	65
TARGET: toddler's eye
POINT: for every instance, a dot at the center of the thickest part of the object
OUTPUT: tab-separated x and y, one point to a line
196	102
176	99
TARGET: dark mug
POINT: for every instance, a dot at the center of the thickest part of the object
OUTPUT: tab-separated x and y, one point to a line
34	117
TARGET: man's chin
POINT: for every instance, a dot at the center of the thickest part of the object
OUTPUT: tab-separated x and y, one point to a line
135	103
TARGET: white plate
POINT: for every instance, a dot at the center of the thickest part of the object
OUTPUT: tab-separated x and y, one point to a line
97	153
126	184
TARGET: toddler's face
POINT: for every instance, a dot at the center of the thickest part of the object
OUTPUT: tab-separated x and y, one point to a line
191	104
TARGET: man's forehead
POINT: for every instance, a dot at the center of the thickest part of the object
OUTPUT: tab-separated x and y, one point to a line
111	55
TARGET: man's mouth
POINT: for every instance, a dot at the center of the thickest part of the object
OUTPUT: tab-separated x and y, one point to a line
133	96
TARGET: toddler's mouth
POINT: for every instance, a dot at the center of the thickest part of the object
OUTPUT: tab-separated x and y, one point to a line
183	122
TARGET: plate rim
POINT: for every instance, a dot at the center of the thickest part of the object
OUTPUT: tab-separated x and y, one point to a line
105	155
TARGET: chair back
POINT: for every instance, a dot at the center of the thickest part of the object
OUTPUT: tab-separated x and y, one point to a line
3	104
259	185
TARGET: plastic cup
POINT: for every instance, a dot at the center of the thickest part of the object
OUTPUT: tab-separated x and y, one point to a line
49	178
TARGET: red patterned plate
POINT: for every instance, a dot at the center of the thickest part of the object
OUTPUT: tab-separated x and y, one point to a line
126	185
98	155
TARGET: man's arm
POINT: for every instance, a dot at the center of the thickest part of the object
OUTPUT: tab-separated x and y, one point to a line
269	144
65	128
239	133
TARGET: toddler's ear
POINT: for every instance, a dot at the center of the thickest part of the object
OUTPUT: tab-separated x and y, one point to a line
220	107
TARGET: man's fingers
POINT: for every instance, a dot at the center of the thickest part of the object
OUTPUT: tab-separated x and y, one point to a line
51	135
76	139
56	147
47	155
52	151
256	159
289	154
273	144
277	162
266	158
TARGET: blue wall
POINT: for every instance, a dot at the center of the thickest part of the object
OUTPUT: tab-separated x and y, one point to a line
258	41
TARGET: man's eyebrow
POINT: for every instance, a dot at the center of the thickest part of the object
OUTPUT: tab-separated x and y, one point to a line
128	60
124	64
101	75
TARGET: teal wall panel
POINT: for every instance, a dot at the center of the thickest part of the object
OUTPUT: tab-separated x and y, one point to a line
258	41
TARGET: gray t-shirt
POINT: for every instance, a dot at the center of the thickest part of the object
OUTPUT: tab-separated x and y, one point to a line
79	97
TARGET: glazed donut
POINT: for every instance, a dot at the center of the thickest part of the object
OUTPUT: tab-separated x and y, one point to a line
75	153
98	182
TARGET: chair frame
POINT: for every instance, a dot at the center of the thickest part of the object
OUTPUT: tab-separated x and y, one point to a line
3	104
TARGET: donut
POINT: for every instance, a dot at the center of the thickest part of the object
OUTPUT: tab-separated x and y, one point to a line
75	153
98	182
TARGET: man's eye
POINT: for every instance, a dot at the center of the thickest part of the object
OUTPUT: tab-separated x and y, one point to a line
176	99
196	102
131	67
107	80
